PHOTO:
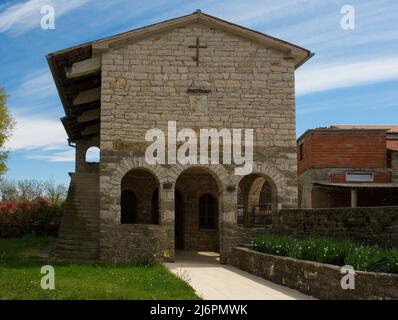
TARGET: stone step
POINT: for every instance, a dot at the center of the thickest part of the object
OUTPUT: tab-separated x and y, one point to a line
80	249
76	224
84	243
78	236
73	255
74	231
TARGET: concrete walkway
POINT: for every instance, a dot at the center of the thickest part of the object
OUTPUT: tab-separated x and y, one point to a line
214	281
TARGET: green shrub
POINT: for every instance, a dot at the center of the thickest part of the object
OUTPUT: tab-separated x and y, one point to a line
336	252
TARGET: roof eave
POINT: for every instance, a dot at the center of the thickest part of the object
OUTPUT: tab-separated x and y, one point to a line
58	85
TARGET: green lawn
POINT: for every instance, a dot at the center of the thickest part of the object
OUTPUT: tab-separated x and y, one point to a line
20	277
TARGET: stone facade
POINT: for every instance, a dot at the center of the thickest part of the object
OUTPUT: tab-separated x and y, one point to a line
144	85
319	280
239	82
376	225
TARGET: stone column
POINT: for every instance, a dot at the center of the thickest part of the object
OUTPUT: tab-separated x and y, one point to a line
228	224
167	217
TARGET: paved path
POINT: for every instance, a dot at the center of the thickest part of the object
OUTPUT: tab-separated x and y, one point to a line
212	280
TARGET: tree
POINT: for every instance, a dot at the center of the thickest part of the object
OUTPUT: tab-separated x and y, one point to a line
6	125
30	190
55	193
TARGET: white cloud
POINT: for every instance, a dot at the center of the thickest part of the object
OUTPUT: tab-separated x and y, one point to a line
63	156
25	16
324	77
37	133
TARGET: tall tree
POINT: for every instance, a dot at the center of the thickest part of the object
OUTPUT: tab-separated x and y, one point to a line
6	125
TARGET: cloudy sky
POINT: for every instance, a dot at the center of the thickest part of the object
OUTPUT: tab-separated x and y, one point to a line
353	78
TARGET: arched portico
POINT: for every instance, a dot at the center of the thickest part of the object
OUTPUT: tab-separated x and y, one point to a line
197	210
257	200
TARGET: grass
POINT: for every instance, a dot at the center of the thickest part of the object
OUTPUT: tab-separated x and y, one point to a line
20	277
336	252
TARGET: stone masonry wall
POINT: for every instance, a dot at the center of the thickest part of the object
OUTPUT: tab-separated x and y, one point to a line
322	281
376	225
144	85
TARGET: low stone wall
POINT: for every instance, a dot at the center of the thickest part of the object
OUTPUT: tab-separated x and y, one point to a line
376	225
132	242
319	280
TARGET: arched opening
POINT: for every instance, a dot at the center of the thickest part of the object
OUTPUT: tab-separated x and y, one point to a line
257	201
197	211
139	198
93	155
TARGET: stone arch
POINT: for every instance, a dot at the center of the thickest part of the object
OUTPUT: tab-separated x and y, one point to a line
129	164
136	163
257	200
270	172
144	186
201	193
219	173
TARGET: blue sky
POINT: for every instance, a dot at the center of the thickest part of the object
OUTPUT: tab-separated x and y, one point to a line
353	78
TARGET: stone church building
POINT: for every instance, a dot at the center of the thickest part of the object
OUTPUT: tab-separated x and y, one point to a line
201	72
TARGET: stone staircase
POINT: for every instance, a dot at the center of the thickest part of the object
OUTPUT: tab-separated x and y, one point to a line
78	236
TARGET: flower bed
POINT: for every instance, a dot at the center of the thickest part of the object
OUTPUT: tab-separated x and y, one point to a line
335	252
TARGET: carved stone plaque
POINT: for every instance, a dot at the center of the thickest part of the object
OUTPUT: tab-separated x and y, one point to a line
198	103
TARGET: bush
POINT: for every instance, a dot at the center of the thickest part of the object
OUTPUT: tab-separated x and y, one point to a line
21	218
336	252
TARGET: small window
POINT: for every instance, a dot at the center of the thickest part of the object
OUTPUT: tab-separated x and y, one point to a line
301	151
93	155
359	177
208	211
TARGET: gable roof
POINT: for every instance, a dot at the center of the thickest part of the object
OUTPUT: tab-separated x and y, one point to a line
77	124
297	53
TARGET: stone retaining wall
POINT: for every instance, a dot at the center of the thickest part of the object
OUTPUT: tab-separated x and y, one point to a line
322	281
376	225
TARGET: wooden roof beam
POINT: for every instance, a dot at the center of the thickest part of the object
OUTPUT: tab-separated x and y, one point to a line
83	68
90	115
87	96
91	129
